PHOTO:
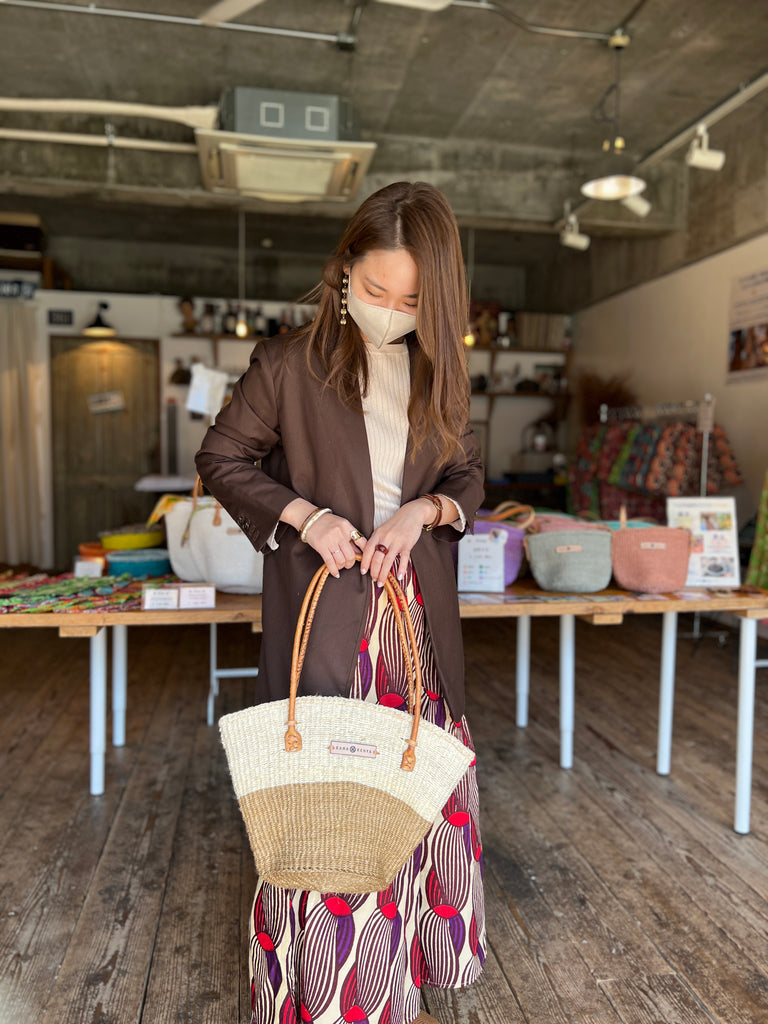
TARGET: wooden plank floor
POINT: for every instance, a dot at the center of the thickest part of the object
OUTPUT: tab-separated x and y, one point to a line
613	896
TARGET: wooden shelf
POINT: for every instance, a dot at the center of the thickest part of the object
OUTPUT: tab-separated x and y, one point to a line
219	337
520	394
522	351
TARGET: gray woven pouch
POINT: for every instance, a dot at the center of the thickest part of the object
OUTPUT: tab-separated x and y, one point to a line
573	561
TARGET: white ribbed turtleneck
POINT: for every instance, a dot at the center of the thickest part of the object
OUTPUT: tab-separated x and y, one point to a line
385	409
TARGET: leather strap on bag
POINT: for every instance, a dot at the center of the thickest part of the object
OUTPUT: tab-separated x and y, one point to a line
408	644
197	493
521	515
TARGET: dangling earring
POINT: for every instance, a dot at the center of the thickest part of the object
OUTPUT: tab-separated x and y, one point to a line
343	311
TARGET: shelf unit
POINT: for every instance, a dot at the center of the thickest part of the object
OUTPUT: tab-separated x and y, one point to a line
503	422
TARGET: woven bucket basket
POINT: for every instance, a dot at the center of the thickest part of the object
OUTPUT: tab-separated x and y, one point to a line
571	561
653	559
337	793
514	519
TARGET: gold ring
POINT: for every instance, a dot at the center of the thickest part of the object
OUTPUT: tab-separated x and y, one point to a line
355	535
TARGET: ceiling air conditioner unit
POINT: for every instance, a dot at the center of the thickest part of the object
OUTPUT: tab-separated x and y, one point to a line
284	147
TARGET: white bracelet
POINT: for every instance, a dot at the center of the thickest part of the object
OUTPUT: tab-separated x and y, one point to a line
310	521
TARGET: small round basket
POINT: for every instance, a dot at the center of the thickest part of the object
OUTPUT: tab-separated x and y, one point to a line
141	563
138	535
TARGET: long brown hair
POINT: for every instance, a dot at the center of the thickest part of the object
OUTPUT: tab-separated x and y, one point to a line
414	216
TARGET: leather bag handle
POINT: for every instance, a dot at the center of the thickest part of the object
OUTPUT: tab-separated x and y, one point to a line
197	493
512	510
408	644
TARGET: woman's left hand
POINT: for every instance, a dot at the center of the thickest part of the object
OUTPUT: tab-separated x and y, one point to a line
396	539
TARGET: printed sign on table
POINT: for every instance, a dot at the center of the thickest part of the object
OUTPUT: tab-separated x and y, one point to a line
714	560
481	561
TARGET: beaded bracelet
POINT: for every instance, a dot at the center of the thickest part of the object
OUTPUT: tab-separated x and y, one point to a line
310	521
438	511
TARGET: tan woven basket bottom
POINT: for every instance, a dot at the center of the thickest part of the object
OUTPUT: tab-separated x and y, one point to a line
302	826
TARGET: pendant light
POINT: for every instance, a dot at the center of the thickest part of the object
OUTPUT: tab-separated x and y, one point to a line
469	337
614	176
98	327
241	327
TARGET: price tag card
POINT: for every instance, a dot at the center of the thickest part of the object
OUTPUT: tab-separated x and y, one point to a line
155	598
197	595
481	562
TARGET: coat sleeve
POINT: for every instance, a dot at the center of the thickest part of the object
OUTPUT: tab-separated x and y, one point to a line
246	431
462	481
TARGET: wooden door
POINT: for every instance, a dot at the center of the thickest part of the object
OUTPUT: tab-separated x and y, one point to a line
105	415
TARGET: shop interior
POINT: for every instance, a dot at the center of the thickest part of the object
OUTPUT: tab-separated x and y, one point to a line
174	176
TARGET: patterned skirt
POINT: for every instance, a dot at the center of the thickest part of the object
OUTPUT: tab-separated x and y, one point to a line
332	958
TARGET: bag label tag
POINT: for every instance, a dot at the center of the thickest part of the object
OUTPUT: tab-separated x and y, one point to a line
653	545
566	549
352	749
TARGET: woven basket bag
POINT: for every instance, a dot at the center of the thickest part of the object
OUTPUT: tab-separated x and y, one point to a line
570	561
336	793
514	519
653	560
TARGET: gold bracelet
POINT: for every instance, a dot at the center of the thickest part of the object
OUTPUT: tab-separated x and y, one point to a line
438	511
310	521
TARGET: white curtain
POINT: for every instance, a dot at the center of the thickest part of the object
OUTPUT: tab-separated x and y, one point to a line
25	493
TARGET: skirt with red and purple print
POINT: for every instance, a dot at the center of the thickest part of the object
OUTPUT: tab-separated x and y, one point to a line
333	958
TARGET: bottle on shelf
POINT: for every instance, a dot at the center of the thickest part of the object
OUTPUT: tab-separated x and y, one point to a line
259	323
208	319
229	320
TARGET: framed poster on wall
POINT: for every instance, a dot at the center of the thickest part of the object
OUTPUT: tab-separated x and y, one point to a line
748	337
714	560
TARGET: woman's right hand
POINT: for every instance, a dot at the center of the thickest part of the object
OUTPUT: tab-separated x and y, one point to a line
336	540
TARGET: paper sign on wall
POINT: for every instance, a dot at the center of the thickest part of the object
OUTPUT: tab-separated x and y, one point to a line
206	390
714	560
481	561
106	401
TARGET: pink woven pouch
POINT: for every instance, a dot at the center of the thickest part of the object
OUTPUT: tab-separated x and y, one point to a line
653	560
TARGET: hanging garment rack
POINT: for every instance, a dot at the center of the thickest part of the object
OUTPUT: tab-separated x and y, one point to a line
704	411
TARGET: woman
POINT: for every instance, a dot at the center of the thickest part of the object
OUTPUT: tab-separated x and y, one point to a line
359	425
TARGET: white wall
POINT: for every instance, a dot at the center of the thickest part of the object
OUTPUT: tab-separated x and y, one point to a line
671	337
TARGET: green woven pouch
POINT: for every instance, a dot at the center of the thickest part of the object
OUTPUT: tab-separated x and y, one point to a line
571	561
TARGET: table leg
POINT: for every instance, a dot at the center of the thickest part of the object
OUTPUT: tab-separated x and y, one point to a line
119	683
666	692
98	710
213	682
567	688
523	672
746	723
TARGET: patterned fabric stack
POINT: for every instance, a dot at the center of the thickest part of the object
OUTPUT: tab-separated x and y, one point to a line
68	593
640	465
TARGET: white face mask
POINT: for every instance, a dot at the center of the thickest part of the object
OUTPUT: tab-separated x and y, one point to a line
379	325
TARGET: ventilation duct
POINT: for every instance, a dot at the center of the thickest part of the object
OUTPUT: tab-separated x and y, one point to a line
284	146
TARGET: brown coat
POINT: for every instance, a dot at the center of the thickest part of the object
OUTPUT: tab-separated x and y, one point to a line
312	446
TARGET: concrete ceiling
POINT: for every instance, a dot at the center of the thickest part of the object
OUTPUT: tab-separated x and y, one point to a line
493	102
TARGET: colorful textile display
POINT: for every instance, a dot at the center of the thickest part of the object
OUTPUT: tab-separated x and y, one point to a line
640	465
68	593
